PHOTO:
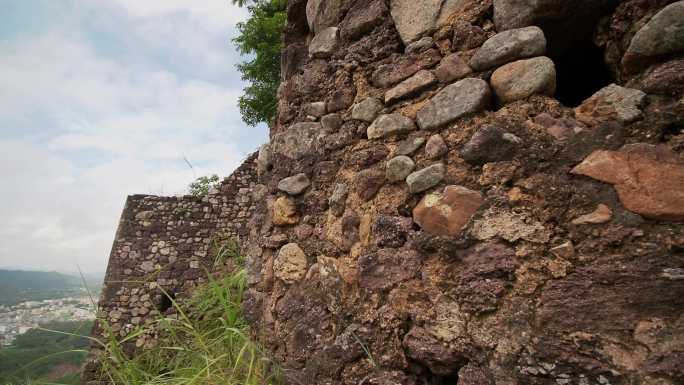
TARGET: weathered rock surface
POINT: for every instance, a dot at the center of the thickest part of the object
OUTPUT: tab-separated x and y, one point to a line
299	140
411	86
361	20
285	212
415	19
294	185
338	199
435	147
324	43
448	212
662	35
611	103
426	178
409	146
290	264
451	68
387	75
524	78
367	110
388	125
464	97
387	267
509	226
649	179
441	359
322	14
399	168
490	144
420	45
368	183
509	46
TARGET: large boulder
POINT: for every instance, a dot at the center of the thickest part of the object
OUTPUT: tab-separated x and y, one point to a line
508	46
324	43
415	19
649	179
454	101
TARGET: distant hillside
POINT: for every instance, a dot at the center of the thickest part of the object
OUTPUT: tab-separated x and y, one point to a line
18	286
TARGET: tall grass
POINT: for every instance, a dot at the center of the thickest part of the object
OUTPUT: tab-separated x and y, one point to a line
206	342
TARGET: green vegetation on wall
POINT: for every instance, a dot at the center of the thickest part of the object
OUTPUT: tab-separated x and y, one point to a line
39	356
206	341
260	39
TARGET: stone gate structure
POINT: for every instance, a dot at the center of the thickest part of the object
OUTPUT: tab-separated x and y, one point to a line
467	192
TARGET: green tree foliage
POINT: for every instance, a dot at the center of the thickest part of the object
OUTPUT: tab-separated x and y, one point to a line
200	187
260	39
38	353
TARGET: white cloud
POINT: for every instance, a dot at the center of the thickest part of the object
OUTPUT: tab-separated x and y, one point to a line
83	125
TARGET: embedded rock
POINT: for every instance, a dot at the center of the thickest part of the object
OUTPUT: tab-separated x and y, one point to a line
388	125
410	145
300	140
361	20
451	68
321	14
324	43
368	183
399	168
264	160
387	267
338	199
294	185
391	231
440	358
524	78
649	179
415	19
367	110
285	212
509	46
426	178
464	97
435	147
662	35
331	123
420	45
602	214
387	75
290	264
611	103
411	86
448	212
490	144
315	109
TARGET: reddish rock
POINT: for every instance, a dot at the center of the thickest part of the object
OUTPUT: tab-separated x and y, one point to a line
361	20
389	74
387	267
452	68
649	179
368	183
442	359
447	213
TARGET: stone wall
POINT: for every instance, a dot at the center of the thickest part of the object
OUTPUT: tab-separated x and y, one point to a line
167	245
432	214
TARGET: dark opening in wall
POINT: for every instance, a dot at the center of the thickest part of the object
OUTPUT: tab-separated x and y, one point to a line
580	72
166	301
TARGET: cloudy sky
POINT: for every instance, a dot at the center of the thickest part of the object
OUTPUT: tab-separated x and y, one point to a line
100	99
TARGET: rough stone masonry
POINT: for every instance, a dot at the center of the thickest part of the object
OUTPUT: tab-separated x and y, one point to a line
434	209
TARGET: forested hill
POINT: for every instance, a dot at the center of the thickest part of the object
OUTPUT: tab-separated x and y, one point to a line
18	286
